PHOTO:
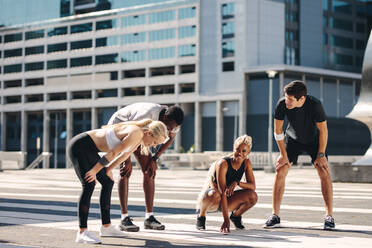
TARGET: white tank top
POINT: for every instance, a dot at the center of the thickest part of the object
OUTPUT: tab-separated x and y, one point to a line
111	139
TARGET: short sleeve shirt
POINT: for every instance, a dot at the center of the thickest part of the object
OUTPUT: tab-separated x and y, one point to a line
302	121
136	112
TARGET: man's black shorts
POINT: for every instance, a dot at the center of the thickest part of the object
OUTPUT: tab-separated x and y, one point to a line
295	148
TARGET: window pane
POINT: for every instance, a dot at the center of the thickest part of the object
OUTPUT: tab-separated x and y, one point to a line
163	16
12	37
57	47
133	20
132	56
81	44
107	41
133	38
35	66
12	68
57	31
342	24
228	10
228	66
340	41
228	49
55	64
185	13
34	50
228	30
161	53
106	59
164	34
186	50
35	34
13	53
186	31
106	24
86	27
339	6
82	61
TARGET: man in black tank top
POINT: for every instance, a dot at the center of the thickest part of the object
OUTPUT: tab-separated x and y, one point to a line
306	132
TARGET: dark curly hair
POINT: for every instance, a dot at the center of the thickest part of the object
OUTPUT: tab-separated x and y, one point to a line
175	113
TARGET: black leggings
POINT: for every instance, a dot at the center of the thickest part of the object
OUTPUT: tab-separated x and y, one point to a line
83	154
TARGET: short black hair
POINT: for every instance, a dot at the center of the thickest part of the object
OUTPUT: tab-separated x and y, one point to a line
296	88
175	113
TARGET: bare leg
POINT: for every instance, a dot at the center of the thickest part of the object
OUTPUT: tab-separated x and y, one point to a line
241	201
210	201
327	189
123	184
148	181
278	189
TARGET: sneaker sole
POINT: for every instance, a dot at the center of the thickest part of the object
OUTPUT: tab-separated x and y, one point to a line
329	228
200	228
129	229
155	228
273	226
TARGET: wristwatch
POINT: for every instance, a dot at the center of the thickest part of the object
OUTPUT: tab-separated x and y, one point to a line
321	155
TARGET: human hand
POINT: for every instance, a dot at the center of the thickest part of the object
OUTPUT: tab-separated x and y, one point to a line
322	163
225	228
282	161
109	174
151	168
90	176
126	169
230	190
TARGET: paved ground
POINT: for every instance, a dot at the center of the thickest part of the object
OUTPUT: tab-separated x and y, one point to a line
38	209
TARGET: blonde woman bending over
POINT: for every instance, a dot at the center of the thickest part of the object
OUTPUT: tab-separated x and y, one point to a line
219	191
118	141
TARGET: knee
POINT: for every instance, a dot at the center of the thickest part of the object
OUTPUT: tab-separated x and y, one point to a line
253	198
89	187
213	195
281	173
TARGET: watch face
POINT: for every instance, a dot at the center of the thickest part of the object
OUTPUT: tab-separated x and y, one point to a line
321	155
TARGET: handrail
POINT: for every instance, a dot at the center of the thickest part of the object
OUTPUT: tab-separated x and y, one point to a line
38	160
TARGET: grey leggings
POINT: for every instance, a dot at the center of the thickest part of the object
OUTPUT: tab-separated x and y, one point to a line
83	154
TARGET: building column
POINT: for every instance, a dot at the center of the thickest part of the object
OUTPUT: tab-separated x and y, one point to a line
69	119
281	84
3	131
242	117
46	137
219	125
177	140
321	89
198	127
24	135
94	122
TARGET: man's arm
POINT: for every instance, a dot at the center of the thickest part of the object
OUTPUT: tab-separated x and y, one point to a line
165	146
321	160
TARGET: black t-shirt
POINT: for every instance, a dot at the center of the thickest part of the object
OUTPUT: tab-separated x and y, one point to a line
302	121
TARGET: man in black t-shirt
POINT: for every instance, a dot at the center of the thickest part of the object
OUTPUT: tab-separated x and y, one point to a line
307	132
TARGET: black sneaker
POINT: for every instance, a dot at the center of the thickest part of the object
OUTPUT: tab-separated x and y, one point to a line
128	226
329	223
152	223
237	220
200	223
272	222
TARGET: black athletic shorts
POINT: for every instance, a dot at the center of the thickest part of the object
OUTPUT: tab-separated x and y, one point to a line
295	148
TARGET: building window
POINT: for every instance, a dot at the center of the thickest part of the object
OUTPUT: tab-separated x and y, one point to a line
13	37
13	99
162	89
340	41
342	24
57	96
81	44
342	59
34	98
82	61
107	41
162	53
186	13
34	81
108	24
228	49
12	83
187	87
57	64
341	6
107	59
133	20
35	34
162	71
163	16
107	93
133	38
57	47
81	94
57	31
134	73
228	66
360	28
13	53
35	66
187	68
164	34
186	31
228	30
133	56
34	50
228	10
12	68
80	28
359	44
186	50
134	91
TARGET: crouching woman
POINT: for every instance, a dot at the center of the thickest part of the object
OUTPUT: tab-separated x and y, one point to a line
219	191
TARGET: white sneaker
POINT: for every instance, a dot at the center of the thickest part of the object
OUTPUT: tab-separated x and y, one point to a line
111	231
86	237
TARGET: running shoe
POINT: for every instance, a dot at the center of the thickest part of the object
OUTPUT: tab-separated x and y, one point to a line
128	226
152	223
200	222
329	223
272	222
237	220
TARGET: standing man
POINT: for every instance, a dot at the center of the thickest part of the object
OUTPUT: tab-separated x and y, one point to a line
172	117
306	132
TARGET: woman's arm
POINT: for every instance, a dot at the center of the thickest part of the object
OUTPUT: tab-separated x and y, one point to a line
251	183
221	170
